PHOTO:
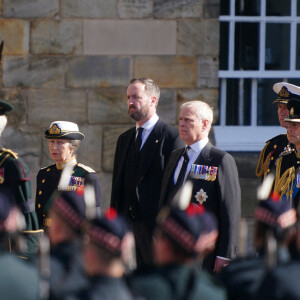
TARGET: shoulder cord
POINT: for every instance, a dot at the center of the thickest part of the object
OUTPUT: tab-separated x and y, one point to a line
263	165
4	158
283	184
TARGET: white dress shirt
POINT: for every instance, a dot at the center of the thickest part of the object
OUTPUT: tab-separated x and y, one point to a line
147	128
193	153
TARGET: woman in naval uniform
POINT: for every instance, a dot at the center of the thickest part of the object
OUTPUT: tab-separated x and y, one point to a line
64	139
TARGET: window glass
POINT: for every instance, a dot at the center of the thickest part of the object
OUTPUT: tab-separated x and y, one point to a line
247	7
224	38
278	7
246	46
298	47
224	7
238	108
277	52
266	110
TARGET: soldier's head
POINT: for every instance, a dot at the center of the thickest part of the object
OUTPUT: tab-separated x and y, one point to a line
177	236
64	139
142	99
66	218
108	241
285	92
272	217
195	121
4	108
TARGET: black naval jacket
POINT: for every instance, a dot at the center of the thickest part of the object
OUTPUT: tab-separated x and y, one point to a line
223	193
270	153
47	183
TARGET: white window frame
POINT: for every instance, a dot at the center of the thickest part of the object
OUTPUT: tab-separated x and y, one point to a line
253	137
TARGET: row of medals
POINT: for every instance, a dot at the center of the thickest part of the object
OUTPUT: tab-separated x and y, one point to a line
203	172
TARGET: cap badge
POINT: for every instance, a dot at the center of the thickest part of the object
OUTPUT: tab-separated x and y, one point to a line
54	129
201	196
292	111
284	92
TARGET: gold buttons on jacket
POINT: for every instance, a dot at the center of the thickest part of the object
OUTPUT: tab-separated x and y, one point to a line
48	170
40	192
43	180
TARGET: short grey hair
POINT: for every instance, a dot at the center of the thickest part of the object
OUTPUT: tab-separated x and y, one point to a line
75	145
203	110
3	122
151	88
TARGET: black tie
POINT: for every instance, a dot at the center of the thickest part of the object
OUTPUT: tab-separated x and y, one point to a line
181	175
138	141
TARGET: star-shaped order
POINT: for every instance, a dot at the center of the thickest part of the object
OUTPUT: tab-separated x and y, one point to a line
201	196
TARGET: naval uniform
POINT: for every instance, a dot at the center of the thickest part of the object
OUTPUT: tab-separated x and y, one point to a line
287	168
47	183
16	176
270	153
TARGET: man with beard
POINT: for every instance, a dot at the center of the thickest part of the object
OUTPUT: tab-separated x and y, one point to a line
141	156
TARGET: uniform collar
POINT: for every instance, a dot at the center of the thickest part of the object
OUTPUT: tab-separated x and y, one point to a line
70	162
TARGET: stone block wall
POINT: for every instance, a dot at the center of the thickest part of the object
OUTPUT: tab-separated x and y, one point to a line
73	59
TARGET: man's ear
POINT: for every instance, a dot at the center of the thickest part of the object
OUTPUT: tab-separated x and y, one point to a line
153	100
205	124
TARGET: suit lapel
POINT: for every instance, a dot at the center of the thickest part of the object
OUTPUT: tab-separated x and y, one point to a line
125	144
170	170
167	188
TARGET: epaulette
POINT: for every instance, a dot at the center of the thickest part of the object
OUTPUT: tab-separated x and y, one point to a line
86	168
51	166
276	138
267	153
13	154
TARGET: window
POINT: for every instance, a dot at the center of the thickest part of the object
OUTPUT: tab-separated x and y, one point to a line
259	46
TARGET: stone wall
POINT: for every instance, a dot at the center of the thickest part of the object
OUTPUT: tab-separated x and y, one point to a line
72	60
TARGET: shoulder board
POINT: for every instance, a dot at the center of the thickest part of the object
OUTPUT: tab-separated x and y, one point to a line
51	166
280	137
86	168
13	154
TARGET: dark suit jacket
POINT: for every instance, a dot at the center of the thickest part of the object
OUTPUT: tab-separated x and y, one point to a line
224	195
154	156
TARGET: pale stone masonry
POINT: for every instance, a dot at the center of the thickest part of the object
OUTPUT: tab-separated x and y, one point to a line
73	59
